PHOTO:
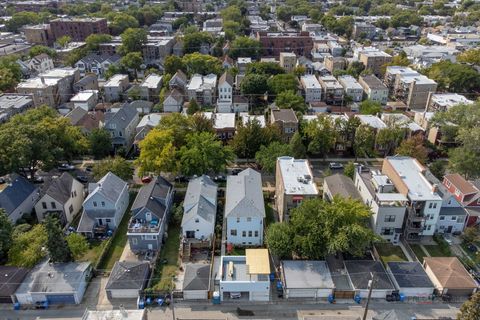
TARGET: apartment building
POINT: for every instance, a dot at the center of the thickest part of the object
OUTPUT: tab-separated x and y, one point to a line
363	30
273	43
352	88
158	48
115	87
78	28
444	101
374	60
287	122
288	61
424	203
12	104
374	89
332	90
335	63
391	74
388	206
293	184
414	90
35	6
225	93
312	88
39	34
150	88
202	89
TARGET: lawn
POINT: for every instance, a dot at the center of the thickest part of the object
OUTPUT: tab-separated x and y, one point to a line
164	272
94	252
388	252
119	239
437	251
418	252
269	214
237	251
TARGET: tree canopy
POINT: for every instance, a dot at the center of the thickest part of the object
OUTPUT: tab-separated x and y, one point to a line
133	40
57	246
100	143
245	47
251	136
470	310
27	247
290	100
267	156
117	165
454	77
6	233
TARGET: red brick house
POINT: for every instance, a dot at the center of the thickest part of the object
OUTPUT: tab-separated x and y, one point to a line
467	193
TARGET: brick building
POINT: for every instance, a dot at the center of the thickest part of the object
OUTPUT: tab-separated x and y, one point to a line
39	34
78	28
273	43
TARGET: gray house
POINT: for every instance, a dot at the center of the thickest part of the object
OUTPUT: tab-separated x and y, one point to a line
105	205
199	209
150	213
18	197
121	125
127	279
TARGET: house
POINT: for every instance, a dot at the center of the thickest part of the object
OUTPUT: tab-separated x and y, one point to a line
359	272
115	87
150	215
88	82
288	61
178	81
424	203
245	276
121	125
173	101
352	88
445	101
12	104
127	279
196	282
242	64
293	184
54	284
246	118
40	63
410	279
200	209
18	197
245	208
87	121
225	93
147	123
224	125
97	63
286	120
105	205
306	279
240	104
467	193
372	121
332	90
87	99
150	88
143	107
374	60
11	279
402	121
202	89
339	185
374	89
63	198
449	276
312	88
388	206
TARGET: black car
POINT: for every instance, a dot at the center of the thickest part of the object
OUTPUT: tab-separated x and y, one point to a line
38	179
220	178
236	171
89	168
66	167
181	179
82	179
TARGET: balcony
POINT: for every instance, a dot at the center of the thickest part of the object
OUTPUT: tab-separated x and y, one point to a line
142	226
415	215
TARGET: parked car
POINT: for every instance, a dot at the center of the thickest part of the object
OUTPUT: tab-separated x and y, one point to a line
335	165
82	179
66	167
181	179
89	168
236	171
38	179
146	179
472	248
220	178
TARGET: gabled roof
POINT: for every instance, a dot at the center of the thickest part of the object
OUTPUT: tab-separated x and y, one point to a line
153	197
226	77
197	277
175	94
179	75
341	185
244	197
17	190
450	272
76	115
128	275
461	184
122	117
100	58
110	187
10	279
200	200
61	188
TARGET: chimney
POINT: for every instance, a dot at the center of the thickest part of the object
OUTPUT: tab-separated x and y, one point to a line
42	79
434	188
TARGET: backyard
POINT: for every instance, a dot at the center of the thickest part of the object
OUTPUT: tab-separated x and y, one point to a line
167	262
94	252
389	252
418	252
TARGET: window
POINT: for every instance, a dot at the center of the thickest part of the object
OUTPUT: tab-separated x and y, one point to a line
249	219
249	233
238	220
70	209
430	205
54	206
387	231
449	201
108	220
103	203
94	203
390	218
71	194
429	228
435	205
453	218
244	234
233	232
448	183
197	220
457	192
256	233
134	240
44	205
75	193
442	217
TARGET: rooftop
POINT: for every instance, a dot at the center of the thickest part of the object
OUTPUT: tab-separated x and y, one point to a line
114	315
410	275
450	272
341	185
84	95
8	101
310	81
449	99
373	82
152	81
359	273
297	176
303	274
371	121
224	120
116	80
244	196
246	118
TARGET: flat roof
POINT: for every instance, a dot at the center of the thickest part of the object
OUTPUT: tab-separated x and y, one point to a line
224	120
246	118
411	173
410	275
14	101
371	121
419	79
114	315
83	95
297	176
310	81
258	261
302	274
115	80
152	81
450	99
359	273
391	197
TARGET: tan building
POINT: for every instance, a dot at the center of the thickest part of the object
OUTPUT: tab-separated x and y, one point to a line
374	60
293	184
44	91
374	89
286	120
39	34
288	61
414	90
449	276
335	63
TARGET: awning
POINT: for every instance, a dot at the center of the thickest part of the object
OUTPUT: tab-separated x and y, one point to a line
297	198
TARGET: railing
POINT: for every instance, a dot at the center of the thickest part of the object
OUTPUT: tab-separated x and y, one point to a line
143	228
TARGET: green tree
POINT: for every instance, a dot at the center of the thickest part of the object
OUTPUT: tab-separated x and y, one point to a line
36	50
56	244
133	60
389	138
10	63
282	82
202	64
321	135
157	152
195	41
250	137
290	100
265	68
322	228
173	63
279	240
438	168
27	248
464	162
199	123
8	80
471	56
133	40
297	146
180	125
203	153
370	107
349	170
20	19
364	141
245	47
100	143
470	309
267	156
454	77
6	233
413	147
94	40
193	107
254	84
116	165
77	244
63	41
355	68
121	21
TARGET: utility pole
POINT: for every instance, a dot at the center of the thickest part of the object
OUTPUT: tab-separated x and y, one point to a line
172	300
370	288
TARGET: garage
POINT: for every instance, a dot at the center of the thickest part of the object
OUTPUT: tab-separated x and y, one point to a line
61	298
10	280
259	296
360	273
410	279
127	279
196	282
306	279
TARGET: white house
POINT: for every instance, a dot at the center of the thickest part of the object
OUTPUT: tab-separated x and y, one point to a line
18	197
115	87
64	197
225	93
41	63
245	208
86	99
312	88
173	101
200	208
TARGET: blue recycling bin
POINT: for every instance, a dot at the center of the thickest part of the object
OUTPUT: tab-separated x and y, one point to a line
402	297
331	298
357	299
272	277
141	304
16	306
216	298
279	286
149	301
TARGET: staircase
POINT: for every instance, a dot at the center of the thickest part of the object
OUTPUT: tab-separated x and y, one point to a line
186	251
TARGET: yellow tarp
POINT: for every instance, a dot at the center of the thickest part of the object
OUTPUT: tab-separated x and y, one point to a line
257	261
